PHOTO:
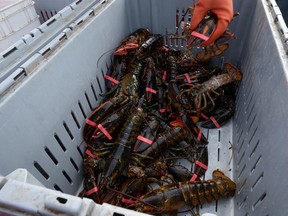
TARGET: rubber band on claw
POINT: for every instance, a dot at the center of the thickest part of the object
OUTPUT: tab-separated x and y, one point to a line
91	123
141	138
127	201
151	90
89	153
199	135
105	132
201	165
121	51
193	178
131	46
215	122
91	191
111	79
199	35
204	116
164	75
187	78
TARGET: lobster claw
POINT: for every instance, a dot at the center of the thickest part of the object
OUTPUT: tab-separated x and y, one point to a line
221	116
194	129
132	42
150	80
100	113
147	136
180	173
204	31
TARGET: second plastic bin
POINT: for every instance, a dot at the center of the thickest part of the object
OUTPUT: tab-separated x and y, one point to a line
17	18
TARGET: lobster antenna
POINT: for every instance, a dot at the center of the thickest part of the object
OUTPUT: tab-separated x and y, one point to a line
232	155
135	198
173	158
104	54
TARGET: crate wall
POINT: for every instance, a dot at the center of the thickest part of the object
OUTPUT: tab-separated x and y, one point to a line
43	117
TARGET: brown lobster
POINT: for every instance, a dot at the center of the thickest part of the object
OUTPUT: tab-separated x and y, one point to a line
171	197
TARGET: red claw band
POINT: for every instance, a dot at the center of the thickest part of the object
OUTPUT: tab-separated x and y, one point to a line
111	79
187	78
141	138
204	116
91	123
127	201
164	75
151	90
199	135
215	122
162	110
199	35
89	153
91	191
105	132
165	49
193	178
121	51
131	46
201	165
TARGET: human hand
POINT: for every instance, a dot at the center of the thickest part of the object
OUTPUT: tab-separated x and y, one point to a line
223	9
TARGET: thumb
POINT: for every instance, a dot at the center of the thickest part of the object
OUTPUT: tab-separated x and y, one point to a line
220	28
198	15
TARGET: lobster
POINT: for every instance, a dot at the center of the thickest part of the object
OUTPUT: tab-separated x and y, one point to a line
204	30
93	163
224	109
198	94
128	93
132	42
171	197
182	103
149	46
195	74
146	123
147	135
150	80
122	151
171	136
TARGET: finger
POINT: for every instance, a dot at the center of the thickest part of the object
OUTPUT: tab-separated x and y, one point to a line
198	15
220	28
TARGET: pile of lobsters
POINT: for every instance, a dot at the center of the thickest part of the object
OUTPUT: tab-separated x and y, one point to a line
151	115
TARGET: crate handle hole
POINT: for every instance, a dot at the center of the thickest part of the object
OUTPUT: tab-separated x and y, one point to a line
61	200
117	214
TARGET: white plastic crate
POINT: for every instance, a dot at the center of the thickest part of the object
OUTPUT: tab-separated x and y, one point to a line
42	115
17	17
